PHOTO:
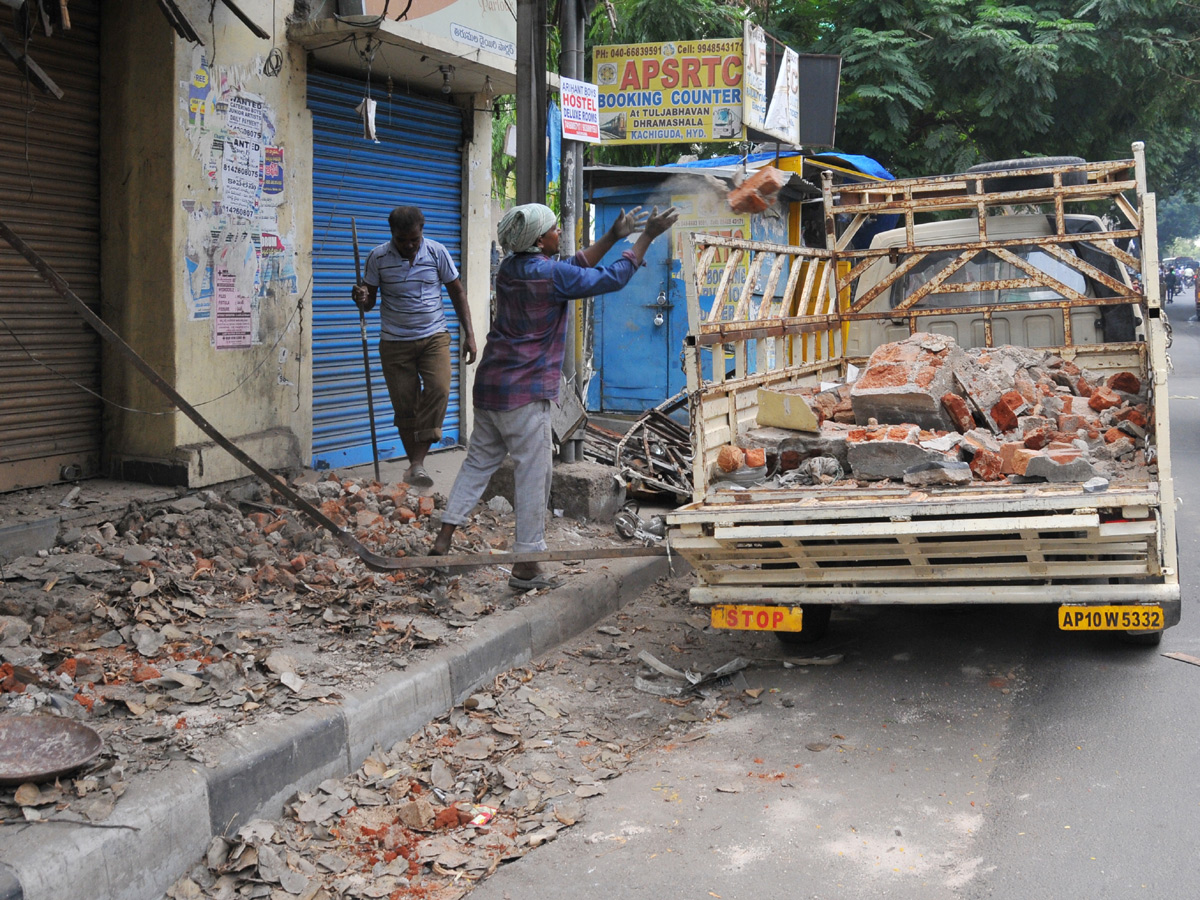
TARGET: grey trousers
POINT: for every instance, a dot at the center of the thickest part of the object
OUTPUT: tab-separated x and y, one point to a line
524	434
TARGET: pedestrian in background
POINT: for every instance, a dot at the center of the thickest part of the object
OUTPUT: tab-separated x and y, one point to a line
520	372
414	347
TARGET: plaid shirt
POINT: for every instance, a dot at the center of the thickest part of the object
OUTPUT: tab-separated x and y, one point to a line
522	360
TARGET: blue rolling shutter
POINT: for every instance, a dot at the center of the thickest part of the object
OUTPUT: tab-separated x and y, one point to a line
417	162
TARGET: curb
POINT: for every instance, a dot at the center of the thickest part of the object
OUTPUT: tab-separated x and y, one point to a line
163	824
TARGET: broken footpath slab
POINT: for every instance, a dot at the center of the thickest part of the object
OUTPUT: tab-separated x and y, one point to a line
163	823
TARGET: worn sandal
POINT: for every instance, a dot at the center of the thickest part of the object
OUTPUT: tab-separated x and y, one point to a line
537	582
418	477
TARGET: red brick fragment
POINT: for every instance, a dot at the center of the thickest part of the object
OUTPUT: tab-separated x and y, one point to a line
986	465
260	520
730	458
1083	387
756	457
960	413
145	673
1070	424
1132	414
425	506
1103	398
1062	457
1038	438
1113	434
1125	382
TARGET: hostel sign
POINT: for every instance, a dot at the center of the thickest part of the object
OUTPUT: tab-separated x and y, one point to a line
689	91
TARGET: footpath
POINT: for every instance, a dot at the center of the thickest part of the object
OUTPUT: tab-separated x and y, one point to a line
165	817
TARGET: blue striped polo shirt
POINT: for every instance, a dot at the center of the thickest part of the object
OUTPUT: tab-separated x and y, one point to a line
410	294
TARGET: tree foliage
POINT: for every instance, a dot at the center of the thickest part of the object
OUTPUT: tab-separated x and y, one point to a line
933	86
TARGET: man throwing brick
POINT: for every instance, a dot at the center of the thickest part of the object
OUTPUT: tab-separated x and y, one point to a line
519	374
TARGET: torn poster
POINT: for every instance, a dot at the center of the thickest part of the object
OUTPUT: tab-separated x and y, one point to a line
232	313
241	176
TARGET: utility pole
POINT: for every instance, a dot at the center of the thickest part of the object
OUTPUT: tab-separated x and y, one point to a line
570	65
531	101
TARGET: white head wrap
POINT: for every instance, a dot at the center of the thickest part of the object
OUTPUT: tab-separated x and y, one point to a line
521	226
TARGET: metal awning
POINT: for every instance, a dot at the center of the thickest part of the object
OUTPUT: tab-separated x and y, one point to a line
414	58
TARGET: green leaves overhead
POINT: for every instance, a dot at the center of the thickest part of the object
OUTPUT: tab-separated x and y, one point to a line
936	85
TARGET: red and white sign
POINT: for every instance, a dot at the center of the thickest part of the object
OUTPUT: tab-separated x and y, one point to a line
580	110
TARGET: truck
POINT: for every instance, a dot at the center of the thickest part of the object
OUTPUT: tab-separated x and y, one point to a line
1043	255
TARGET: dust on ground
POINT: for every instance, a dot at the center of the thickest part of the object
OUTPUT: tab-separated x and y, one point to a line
174	621
509	769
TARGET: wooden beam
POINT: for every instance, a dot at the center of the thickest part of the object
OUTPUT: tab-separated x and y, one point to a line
32	70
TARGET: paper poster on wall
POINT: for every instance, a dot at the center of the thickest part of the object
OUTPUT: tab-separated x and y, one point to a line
232	313
241	176
244	115
272	176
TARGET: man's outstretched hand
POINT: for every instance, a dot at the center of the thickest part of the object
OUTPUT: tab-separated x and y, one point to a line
658	222
629	222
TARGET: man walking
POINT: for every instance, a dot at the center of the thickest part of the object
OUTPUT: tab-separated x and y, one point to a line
414	347
520	371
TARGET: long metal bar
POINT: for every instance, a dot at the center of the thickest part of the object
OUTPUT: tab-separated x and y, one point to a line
60	285
362	325
464	560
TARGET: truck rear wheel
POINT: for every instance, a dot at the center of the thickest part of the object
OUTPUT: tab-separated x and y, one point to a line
1026	182
815	622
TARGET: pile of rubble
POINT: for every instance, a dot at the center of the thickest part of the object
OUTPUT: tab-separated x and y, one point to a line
170	624
510	769
927	412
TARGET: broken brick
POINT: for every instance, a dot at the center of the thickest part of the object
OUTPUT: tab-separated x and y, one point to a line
730	458
960	413
1125	382
425	506
1038	437
1113	434
1103	398
1132	414
1083	387
756	457
1015	457
986	465
1072	423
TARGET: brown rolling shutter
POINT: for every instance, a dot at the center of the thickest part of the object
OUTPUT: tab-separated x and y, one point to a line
50	426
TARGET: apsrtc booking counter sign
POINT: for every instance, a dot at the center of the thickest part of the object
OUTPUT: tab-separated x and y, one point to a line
580	110
689	91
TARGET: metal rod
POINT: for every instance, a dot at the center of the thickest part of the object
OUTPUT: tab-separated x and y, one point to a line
362	325
63	289
464	560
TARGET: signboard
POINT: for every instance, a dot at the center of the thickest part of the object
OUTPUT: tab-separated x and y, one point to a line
580	110
783	116
754	78
488	25
689	91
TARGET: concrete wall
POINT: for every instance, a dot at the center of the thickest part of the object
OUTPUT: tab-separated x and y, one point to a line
206	273
478	232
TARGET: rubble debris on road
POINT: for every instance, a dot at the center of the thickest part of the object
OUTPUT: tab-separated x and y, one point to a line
171	624
502	774
926	413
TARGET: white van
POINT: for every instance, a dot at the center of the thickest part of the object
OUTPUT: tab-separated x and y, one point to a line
989	281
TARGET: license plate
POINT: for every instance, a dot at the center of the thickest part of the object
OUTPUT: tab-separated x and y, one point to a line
757	618
1110	618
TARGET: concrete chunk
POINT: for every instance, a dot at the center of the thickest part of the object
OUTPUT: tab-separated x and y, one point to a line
935	472
876	460
905	382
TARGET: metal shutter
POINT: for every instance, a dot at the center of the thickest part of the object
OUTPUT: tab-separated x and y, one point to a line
50	427
417	162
